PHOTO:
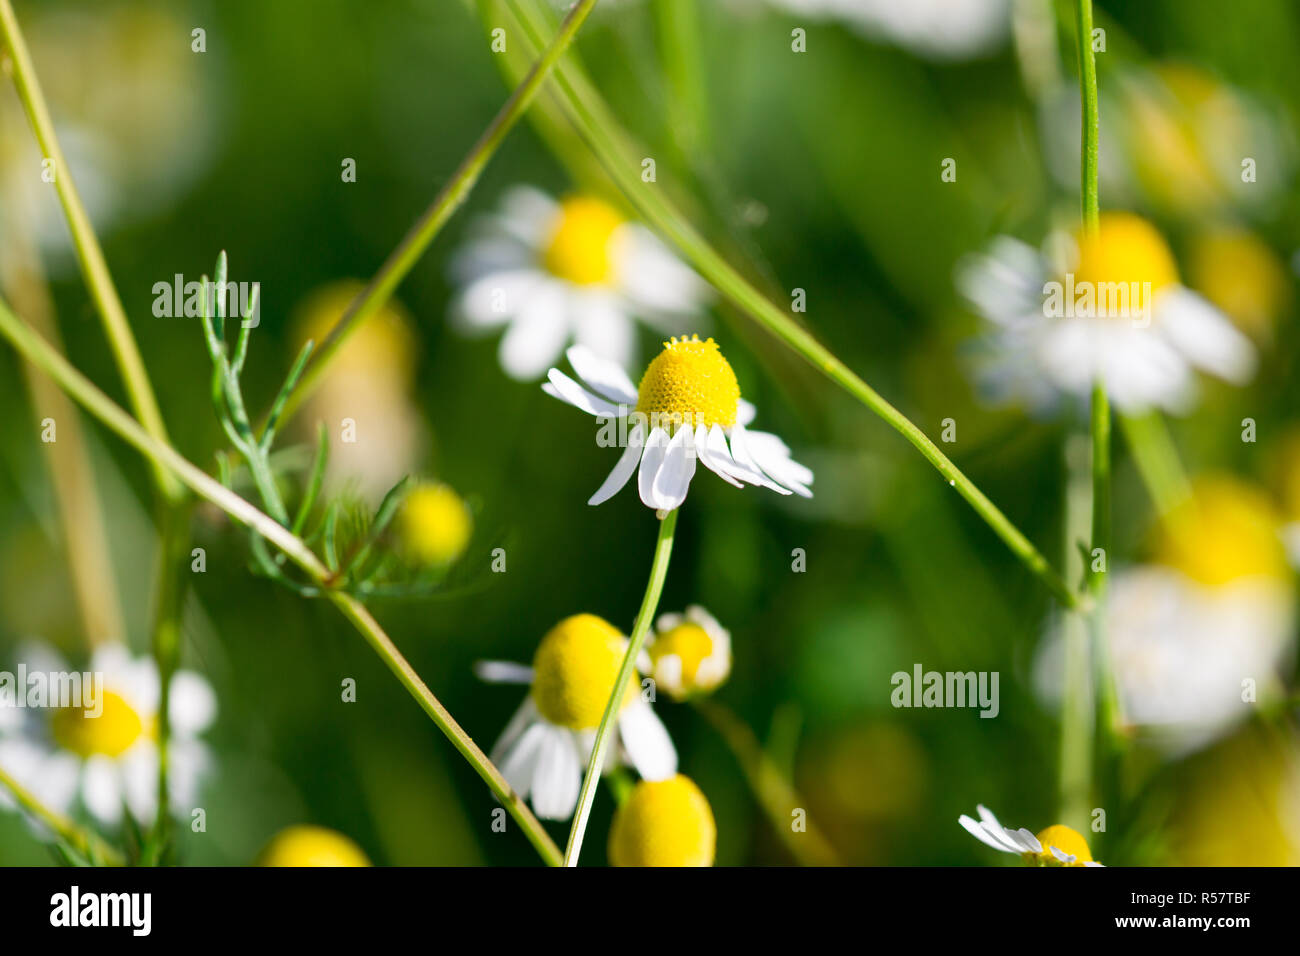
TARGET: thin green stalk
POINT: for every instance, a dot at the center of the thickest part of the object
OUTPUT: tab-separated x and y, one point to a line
654	587
1078	712
86	843
89	254
600	130
380	289
1157	460
37	351
775	795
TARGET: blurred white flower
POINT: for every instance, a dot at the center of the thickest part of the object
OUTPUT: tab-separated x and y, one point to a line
552	273
1113	311
940	29
106	763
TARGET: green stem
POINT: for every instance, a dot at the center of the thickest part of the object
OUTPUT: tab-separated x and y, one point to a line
654	587
602	133
37	351
449	199
86	843
1078	713
777	797
89	254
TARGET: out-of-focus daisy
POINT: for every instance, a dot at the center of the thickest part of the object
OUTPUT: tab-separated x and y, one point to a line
664	823
1058	845
1113	311
687	654
365	399
544	747
110	762
939	29
554	272
434	525
1212	612
688	406
1237	271
305	845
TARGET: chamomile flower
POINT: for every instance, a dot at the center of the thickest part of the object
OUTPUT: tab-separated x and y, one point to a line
305	845
1210	615
1114	311
109	761
434	525
688	406
553	272
687	654
543	749
664	823
1058	845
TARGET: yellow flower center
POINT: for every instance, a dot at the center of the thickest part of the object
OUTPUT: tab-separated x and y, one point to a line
1224	532
1124	264
1240	273
664	823
111	733
690	643
434	524
690	383
580	247
574	671
1066	840
305	845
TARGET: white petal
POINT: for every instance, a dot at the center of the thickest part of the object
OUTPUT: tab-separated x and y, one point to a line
101	789
558	776
567	390
623	469
139	773
703	437
674	477
602	375
492	300
976	830
652	277
649	748
772	455
652	458
604	329
503	672
524	716
520	764
527	214
536	337
192	705
1205	335
742	457
745	412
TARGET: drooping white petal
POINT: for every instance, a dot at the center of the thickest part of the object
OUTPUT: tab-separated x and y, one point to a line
566	389
623	469
503	672
519	765
673	479
773	456
537	335
557	776
740	454
525	716
645	739
704	443
601	375
651	459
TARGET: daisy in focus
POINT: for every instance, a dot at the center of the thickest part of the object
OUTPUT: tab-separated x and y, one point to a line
1201	634
545	746
687	406
664	823
1058	845
574	270
107	763
1112	311
687	654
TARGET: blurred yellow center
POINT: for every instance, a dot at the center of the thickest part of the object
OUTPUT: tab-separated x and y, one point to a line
111	733
664	823
574	671
434	524
1240	273
1224	532
690	643
580	248
311	846
1064	839
689	382
1119	260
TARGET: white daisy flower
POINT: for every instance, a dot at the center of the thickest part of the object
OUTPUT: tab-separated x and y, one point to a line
1114	312
1058	845
687	654
687	407
1183	634
553	272
548	741
940	29
105	763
